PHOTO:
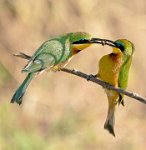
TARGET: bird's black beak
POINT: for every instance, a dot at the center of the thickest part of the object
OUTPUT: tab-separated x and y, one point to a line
103	42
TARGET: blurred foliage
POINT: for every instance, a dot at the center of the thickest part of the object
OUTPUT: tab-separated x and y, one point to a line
61	111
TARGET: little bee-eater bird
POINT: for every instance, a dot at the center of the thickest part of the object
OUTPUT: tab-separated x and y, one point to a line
53	54
114	69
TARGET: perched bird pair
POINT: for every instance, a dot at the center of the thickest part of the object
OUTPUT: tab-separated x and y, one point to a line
55	54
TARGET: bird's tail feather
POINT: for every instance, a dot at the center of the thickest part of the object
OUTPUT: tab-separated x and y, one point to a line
17	97
110	121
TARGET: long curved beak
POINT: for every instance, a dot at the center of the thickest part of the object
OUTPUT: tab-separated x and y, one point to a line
103	42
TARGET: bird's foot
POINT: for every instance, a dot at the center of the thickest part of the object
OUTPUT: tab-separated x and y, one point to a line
56	68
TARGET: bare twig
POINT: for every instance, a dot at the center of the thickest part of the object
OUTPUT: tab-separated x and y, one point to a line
105	85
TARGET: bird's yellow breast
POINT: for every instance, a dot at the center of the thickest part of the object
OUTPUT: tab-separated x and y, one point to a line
109	68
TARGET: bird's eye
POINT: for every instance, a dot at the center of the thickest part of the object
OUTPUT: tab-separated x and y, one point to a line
120	46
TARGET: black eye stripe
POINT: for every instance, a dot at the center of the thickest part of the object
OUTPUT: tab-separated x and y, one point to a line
120	46
81	41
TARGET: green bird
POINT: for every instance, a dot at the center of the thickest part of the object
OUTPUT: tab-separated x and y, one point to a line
52	55
114	69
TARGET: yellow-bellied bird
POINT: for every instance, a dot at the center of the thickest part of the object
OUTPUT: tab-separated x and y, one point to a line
114	69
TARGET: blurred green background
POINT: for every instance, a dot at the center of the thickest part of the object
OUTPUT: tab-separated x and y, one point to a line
62	111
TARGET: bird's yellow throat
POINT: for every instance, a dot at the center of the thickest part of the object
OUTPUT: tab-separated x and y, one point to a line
78	47
116	50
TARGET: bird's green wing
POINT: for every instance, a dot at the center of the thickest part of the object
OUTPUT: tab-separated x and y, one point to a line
49	54
123	77
41	62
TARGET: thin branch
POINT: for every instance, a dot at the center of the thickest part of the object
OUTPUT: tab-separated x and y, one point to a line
105	85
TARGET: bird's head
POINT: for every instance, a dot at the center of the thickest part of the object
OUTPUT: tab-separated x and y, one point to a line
124	46
79	37
79	41
82	40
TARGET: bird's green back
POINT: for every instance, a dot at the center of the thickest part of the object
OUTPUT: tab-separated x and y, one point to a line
55	47
124	73
128	49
